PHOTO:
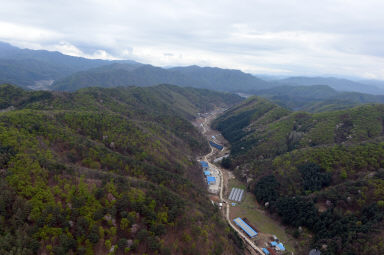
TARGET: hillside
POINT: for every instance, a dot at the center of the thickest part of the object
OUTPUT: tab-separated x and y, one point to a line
104	170
316	98
319	172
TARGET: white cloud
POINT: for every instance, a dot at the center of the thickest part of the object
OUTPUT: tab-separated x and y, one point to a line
67	48
23	32
72	50
298	37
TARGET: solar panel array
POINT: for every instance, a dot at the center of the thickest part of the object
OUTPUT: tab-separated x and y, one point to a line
245	227
236	194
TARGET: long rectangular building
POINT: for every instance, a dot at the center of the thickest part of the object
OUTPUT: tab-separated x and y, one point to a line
244	226
217	146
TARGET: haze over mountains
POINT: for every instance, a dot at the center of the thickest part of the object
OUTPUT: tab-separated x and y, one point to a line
336	83
38	69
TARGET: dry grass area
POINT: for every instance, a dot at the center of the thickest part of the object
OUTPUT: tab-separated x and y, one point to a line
250	209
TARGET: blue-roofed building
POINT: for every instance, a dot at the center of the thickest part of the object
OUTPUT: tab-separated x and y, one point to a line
244	226
273	244
211	180
217	146
204	165
207	173
280	246
265	251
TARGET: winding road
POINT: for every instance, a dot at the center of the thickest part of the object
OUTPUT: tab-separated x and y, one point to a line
226	203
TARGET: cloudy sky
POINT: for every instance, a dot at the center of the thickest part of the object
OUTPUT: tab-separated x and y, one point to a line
284	37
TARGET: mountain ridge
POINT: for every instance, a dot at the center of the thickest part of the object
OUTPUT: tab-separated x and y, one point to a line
148	75
339	84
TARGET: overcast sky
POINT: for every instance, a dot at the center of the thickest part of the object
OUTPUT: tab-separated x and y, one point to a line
288	37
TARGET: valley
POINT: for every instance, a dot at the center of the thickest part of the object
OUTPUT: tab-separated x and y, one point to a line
266	227
115	170
192	127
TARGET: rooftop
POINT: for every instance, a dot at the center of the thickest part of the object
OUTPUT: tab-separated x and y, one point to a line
211	179
281	247
244	226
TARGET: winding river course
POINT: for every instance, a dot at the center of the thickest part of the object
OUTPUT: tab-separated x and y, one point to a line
204	127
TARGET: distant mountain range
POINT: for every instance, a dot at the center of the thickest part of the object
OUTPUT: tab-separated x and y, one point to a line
336	83
41	69
317	98
25	67
147	75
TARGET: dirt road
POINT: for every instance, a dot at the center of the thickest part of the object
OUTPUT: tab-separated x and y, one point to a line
226	203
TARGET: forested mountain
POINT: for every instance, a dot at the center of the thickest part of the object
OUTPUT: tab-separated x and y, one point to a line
321	173
316	98
147	75
36	68
224	79
335	83
25	67
376	83
107	170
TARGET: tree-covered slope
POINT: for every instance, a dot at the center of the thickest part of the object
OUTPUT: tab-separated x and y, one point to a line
147	75
316	98
106	170
322	171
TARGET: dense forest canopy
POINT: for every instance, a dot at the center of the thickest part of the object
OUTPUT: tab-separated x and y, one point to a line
322	172
107	170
